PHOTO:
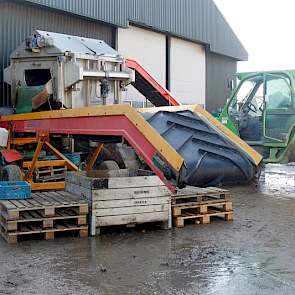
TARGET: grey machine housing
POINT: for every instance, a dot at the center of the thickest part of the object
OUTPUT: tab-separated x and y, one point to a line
76	71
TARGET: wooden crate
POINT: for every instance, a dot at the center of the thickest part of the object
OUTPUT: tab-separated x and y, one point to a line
200	205
121	200
45	213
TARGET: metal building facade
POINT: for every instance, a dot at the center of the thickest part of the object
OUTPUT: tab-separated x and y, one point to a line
17	21
197	21
219	69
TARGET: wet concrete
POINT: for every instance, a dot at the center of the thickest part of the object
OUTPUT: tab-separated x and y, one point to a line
252	255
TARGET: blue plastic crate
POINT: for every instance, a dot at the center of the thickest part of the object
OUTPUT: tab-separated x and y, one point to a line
14	190
73	157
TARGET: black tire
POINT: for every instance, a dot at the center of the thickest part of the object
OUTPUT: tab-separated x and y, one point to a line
108	165
11	173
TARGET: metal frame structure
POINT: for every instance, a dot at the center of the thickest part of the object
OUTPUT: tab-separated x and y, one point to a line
42	140
113	120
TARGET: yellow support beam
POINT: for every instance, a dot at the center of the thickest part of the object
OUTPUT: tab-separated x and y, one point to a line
94	157
48	186
29	176
42	164
23	141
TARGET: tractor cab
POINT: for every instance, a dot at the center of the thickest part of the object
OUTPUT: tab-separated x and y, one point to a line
261	110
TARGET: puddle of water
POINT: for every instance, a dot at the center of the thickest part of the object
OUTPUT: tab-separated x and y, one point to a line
278	178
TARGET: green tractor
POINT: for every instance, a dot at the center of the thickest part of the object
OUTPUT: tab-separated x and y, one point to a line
261	110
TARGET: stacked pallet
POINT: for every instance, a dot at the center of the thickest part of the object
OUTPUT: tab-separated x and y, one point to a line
44	214
200	205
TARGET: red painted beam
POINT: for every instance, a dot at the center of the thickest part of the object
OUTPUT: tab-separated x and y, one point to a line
118	125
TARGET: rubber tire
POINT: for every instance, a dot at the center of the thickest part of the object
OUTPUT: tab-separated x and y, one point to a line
11	173
108	165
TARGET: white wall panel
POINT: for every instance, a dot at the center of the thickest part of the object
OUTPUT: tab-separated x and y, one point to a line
148	48
188	72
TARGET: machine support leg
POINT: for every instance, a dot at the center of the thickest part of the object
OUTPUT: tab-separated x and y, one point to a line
41	141
70	165
94	157
9	140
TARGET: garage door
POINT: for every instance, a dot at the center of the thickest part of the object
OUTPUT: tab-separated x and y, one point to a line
188	72
148	48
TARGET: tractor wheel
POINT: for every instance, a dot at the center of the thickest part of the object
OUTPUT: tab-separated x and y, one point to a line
108	165
11	173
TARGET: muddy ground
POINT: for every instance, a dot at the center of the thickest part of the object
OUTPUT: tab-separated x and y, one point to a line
255	254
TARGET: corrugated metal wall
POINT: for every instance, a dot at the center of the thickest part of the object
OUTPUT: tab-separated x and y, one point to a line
218	70
17	21
197	20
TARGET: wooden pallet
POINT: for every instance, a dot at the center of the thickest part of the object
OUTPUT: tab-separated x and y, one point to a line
45	203
47	234
43	174
200	204
201	207
45	213
202	218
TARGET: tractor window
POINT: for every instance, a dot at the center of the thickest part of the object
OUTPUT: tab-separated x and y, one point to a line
244	92
278	92
251	91
279	115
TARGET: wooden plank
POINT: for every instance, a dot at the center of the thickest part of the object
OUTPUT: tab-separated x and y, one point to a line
25	215
138	181
113	182
218	213
17	204
131	218
58	217
35	214
57	201
59	198
130	210
40	200
46	201
78	190
86	182
35	203
128	193
8	205
130	202
66	198
26	204
72	198
198	204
